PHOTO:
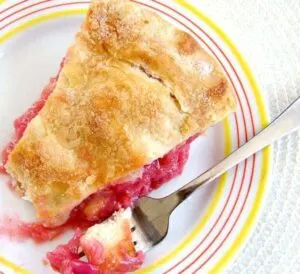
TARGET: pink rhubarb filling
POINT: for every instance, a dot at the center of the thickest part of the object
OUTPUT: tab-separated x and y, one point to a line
100	205
67	258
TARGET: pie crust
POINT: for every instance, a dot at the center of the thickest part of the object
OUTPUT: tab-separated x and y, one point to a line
133	87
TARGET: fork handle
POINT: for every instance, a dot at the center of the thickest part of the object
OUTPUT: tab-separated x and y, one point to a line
285	123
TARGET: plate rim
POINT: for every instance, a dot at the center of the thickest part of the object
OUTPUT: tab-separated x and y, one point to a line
260	102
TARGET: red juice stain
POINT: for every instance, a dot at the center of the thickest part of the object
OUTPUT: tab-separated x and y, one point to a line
2	169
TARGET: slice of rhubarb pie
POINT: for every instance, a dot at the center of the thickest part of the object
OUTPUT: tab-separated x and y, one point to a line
132	90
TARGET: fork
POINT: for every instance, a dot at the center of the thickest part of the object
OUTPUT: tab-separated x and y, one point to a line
150	216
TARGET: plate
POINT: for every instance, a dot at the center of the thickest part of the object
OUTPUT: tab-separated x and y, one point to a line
209	229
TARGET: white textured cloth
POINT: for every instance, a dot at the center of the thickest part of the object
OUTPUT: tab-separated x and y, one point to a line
267	32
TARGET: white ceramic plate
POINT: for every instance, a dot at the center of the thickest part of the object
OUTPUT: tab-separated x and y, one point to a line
208	230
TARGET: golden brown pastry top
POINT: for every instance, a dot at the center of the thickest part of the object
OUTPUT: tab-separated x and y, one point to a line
133	87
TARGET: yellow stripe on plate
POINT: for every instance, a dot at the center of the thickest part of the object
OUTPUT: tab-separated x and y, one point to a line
13	266
39	20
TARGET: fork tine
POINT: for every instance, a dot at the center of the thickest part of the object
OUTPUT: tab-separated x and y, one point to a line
152	216
150	232
140	238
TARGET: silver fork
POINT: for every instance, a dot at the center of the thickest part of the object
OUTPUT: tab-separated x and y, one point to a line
150	216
